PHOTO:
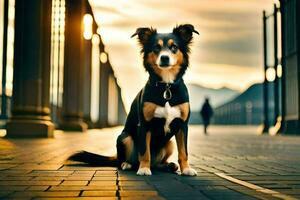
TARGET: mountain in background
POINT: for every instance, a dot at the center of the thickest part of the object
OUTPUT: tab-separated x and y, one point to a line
230	107
247	108
217	97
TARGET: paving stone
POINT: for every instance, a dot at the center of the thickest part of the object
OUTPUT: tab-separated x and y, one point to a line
84	172
89	187
136	193
106	173
29	183
78	178
78	198
289	191
60	172
52	172
13	172
16	178
45	194
104	183
145	198
65	167
99	193
104	178
18	198
130	178
137	187
39	168
37	188
209	182
7	166
48	178
4	194
131	183
252	193
277	186
269	178
12	188
74	183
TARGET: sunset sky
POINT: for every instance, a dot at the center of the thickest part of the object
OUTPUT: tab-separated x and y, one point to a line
228	51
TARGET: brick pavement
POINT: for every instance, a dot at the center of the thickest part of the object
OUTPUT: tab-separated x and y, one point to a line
232	163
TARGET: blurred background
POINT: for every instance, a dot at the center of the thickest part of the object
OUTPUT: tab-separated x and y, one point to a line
226	55
81	51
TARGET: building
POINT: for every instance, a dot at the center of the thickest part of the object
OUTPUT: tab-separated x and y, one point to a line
287	62
55	72
290	15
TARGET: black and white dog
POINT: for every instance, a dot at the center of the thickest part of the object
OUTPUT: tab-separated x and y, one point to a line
159	111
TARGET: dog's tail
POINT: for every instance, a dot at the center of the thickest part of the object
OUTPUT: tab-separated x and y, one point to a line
94	159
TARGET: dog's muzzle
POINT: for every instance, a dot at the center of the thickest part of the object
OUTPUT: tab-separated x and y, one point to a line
164	61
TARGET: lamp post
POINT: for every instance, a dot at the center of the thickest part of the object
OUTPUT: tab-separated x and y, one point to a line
4	62
283	80
266	126
276	80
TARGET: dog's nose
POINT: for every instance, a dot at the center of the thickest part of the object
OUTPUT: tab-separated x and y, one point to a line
164	60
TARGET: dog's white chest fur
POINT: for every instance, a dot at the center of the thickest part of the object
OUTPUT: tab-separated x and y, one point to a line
167	112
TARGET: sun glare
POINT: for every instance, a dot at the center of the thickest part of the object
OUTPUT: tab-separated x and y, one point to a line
103	57
270	74
88	26
279	71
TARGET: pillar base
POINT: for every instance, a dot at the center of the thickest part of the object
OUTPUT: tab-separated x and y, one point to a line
73	126
88	121
263	129
278	127
26	128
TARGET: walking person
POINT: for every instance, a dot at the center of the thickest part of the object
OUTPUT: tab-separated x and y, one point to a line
206	114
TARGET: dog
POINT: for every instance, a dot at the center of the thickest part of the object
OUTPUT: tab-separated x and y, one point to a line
160	111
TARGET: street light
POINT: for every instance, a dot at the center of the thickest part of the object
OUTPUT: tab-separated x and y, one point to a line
103	57
87	26
270	74
279	71
95	39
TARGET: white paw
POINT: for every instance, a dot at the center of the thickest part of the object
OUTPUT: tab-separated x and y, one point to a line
126	166
145	171
189	172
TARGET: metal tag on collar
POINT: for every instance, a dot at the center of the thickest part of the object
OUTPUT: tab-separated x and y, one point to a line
167	92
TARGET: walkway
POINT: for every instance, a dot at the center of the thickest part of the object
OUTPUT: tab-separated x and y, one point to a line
232	163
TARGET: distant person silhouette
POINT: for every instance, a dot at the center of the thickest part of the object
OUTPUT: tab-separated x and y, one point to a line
206	113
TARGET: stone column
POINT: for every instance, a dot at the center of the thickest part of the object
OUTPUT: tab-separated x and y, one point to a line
30	108
266	125
72	111
121	110
103	114
87	82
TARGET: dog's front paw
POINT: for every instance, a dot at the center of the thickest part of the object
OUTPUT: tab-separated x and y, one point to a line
126	166
145	171
189	172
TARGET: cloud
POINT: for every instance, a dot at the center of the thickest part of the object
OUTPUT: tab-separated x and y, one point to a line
227	52
212	75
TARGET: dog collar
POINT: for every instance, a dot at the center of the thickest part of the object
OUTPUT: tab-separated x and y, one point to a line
167	93
161	83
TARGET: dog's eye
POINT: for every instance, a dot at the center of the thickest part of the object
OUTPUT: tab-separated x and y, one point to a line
173	48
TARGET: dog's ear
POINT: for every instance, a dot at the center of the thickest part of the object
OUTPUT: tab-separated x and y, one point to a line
144	34
185	32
